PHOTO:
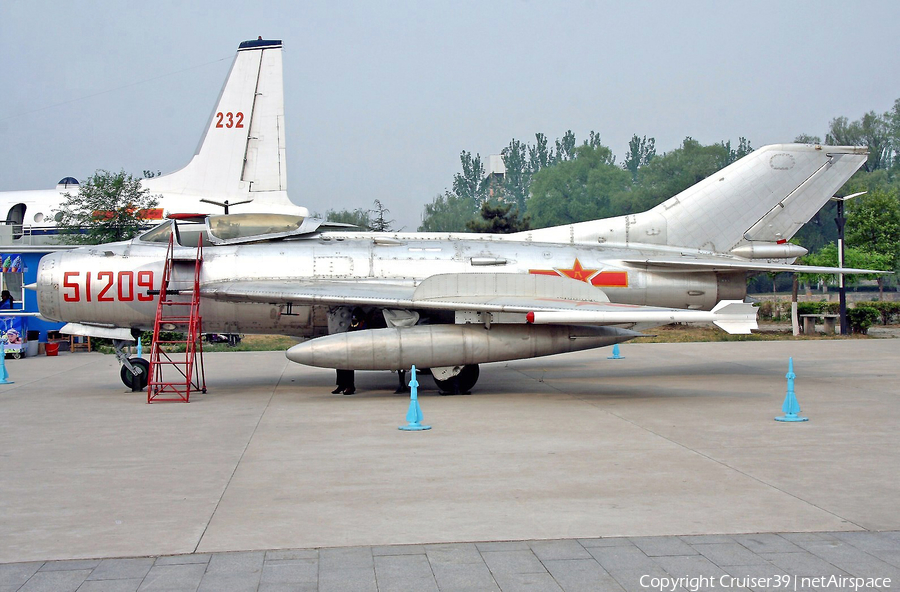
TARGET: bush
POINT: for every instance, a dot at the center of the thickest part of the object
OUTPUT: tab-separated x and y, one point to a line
889	311
861	318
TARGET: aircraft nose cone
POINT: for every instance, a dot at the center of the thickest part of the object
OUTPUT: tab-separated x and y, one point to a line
49	276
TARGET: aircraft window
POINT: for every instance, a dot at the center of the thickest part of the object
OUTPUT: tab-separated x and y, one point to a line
188	237
232	226
58	217
160	234
39	217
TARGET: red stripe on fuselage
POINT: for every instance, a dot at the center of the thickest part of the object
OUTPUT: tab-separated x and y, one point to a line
610	279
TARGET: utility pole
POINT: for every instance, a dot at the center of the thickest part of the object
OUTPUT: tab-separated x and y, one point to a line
840	221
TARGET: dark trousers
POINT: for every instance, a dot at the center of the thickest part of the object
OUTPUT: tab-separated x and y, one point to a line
345	378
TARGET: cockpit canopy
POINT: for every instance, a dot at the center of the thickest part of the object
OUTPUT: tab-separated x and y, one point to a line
229	229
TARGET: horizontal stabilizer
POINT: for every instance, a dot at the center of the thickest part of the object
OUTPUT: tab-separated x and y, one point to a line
118	333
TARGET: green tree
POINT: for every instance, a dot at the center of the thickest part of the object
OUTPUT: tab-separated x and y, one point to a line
734	154
447	213
108	207
358	217
565	147
517	180
854	257
671	173
378	223
498	218
585	188
873	225
871	130
539	156
807	139
470	183
640	152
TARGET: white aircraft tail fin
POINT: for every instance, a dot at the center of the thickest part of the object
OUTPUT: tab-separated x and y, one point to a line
242	151
763	198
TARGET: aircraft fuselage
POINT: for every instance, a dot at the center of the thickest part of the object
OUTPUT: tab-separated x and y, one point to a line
109	285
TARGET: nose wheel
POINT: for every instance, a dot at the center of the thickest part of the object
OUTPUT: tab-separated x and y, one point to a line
136	382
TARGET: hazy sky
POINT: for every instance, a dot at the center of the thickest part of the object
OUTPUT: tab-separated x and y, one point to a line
380	98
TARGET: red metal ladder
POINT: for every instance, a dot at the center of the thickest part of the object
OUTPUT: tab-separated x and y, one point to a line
171	378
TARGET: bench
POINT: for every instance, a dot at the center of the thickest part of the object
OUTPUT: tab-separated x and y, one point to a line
828	322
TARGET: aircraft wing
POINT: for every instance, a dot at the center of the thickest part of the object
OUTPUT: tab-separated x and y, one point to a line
691	265
538	299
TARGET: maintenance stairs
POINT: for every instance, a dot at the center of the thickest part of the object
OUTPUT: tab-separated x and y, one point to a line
173	376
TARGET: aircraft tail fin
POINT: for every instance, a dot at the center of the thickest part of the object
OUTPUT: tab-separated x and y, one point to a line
242	151
761	199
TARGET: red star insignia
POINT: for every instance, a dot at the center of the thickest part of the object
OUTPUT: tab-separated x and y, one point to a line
577	272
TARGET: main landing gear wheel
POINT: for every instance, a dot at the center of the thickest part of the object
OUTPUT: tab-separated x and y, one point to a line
129	379
460	384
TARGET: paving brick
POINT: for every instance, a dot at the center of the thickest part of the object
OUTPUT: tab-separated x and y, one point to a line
706	572
766	543
129	585
302	587
404	572
706	539
869	541
607	542
346	558
630	557
527	582
121	569
503	546
848	558
399	550
725	554
453	553
290	571
292	555
803	563
56	581
660	546
161	578
581	575
463	577
245	562
16	574
354	579
565	549
70	565
182	559
229	582
512	562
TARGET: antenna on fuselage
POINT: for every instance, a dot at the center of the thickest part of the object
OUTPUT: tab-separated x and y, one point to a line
226	204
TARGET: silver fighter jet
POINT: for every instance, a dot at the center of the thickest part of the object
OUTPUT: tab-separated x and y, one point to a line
451	301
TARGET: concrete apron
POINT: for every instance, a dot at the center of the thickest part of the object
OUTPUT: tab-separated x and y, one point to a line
672	439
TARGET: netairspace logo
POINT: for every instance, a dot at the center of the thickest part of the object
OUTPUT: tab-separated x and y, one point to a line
783	582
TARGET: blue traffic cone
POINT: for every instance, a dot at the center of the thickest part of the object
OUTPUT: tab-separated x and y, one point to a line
414	415
791	407
615	355
4	375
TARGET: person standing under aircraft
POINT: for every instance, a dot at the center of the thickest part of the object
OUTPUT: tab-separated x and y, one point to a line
345	378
